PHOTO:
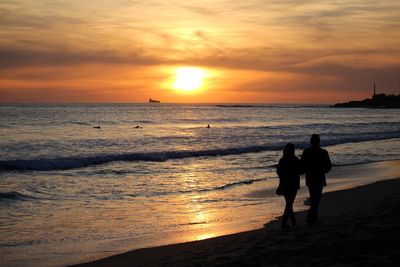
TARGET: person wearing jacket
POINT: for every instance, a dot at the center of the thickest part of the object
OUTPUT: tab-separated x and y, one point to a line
288	171
315	163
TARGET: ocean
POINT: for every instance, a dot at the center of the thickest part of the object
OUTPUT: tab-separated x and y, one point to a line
154	174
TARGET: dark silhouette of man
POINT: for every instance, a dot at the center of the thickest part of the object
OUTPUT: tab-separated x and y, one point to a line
315	163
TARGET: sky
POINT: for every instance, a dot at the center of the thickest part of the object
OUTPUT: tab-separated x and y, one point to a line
253	51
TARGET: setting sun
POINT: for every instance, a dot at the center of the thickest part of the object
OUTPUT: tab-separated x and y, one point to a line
188	78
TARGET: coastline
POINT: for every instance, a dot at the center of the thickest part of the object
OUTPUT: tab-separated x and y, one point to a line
366	215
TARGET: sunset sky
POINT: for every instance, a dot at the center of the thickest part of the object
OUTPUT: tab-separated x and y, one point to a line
235	51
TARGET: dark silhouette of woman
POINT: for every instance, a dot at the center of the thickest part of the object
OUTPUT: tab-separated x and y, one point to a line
289	182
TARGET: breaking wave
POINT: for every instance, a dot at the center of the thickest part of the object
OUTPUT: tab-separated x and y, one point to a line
65	163
13	195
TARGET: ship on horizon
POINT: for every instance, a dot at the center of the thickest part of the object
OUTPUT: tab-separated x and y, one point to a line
153	101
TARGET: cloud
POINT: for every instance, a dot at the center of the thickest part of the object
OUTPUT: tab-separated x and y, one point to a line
199	10
336	45
65	94
26	58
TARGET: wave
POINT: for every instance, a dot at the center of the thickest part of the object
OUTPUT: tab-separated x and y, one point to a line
13	195
145	121
202	190
80	123
65	163
271	106
363	162
226	186
241	106
395	125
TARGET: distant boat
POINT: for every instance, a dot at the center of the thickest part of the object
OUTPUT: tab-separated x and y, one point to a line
153	101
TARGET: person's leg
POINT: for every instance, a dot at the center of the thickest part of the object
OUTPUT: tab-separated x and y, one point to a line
318	196
315	199
291	212
310	210
286	212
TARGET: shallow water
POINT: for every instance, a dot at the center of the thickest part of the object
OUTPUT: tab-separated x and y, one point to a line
70	192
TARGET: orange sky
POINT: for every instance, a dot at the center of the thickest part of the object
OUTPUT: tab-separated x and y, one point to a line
257	51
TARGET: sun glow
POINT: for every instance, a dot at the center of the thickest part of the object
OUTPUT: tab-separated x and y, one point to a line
188	79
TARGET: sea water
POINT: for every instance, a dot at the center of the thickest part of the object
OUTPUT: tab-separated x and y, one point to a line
155	174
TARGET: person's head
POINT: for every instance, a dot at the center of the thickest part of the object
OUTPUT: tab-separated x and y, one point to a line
288	150
315	140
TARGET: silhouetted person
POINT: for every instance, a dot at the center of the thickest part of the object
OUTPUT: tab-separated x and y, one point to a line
315	163
208	126
289	182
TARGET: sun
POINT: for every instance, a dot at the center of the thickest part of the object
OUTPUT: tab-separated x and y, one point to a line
188	79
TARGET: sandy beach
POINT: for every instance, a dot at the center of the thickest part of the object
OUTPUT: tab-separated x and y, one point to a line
358	227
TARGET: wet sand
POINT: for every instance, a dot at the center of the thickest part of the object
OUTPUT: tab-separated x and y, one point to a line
358	227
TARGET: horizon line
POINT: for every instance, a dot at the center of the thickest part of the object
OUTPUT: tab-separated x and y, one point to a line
155	104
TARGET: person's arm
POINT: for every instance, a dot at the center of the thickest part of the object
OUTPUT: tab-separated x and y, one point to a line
279	170
299	168
302	163
328	162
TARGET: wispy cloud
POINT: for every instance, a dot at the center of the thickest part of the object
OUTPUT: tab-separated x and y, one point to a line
27	58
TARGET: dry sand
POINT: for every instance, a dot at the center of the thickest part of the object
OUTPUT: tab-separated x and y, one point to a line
358	227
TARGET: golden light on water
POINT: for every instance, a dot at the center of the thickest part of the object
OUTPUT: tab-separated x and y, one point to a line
188	79
205	236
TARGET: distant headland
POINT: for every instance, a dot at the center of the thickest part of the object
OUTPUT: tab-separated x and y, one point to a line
377	101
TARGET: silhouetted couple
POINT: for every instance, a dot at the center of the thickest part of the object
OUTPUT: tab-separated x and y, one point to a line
315	163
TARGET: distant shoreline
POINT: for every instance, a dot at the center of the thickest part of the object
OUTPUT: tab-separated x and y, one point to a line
381	101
